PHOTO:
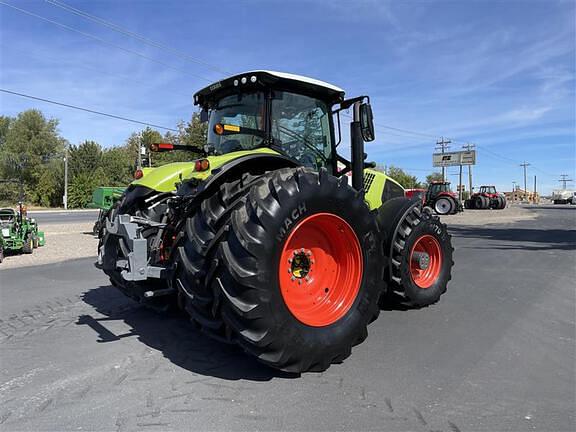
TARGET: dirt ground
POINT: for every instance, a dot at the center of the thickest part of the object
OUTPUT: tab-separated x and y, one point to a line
75	240
63	242
512	213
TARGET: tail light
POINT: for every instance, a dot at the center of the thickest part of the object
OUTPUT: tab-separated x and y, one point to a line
160	147
138	174
202	165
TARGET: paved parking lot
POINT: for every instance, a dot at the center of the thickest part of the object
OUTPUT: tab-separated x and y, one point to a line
496	354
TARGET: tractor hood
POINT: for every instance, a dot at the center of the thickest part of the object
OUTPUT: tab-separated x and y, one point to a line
166	177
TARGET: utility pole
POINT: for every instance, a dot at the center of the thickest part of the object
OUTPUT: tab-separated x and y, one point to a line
65	177
525	164
460	185
534	196
443	145
469	147
564	179
513	191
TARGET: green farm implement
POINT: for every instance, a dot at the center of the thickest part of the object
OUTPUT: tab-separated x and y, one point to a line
269	238
104	198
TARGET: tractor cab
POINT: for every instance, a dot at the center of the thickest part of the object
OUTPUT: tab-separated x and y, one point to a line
290	114
440	197
439	188
488	191
285	112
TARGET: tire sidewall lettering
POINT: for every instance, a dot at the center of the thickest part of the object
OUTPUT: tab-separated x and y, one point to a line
291	220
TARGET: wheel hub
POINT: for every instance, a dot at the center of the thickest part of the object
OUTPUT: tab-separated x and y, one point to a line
300	264
421	259
426	260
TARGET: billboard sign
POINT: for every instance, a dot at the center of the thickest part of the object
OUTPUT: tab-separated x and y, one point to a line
454	158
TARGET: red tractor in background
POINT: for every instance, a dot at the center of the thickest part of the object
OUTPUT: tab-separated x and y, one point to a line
438	196
486	198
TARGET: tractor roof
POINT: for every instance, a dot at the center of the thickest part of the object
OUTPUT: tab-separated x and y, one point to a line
7	212
254	80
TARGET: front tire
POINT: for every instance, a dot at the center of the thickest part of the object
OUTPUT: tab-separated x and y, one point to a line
300	270
421	253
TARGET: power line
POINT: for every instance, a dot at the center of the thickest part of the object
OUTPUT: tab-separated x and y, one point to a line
104	42
181	54
99	71
88	110
144	39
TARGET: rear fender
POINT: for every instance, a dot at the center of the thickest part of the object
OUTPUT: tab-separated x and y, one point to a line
256	164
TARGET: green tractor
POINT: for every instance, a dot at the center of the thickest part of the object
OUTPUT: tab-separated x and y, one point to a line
270	239
19	232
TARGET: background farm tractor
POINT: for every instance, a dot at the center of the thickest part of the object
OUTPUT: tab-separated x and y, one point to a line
440	197
263	240
19	233
486	198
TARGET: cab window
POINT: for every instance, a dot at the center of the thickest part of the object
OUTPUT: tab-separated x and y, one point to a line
301	128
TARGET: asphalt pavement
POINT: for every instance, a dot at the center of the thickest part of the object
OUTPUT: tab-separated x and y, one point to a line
496	354
63	217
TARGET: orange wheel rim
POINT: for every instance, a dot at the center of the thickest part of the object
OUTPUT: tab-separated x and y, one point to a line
425	261
320	269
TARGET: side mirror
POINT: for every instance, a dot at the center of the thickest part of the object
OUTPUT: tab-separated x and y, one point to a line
366	122
204	116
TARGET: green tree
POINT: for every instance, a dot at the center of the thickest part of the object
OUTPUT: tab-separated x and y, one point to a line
27	143
4	126
82	186
86	157
193	132
118	166
406	180
50	188
432	177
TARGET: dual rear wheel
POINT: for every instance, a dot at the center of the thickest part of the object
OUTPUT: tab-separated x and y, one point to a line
291	264
288	265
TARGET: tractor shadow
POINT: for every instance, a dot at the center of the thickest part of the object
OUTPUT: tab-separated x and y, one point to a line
528	239
174	335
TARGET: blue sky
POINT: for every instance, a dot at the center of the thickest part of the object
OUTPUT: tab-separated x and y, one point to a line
500	74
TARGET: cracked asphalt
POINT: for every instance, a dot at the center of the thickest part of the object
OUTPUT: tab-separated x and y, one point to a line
496	354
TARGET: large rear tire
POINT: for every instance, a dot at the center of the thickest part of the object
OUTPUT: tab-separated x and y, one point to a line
196	259
1	253
300	270
421	253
